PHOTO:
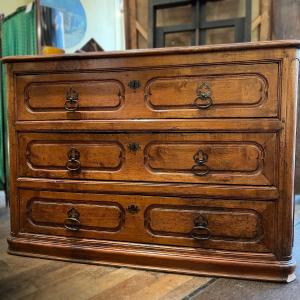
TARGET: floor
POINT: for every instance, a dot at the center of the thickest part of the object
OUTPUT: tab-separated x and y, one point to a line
31	278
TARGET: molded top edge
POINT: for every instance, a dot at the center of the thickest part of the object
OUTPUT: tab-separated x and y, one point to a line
157	51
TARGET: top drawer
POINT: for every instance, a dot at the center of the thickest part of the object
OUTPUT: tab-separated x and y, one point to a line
227	91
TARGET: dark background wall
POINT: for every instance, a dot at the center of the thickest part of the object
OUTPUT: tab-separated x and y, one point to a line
285	19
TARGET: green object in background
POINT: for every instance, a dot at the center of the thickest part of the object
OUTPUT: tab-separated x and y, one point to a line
19	33
19	37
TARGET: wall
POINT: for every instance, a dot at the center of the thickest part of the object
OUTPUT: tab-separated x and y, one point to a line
105	23
9	6
285	19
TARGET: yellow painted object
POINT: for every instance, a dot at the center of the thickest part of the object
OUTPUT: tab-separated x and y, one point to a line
52	50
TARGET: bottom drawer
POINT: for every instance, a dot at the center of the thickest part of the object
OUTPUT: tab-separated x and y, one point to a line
238	225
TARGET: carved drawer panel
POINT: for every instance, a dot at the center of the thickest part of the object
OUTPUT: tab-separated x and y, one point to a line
189	222
68	214
239	90
67	96
219	158
70	156
216	224
215	91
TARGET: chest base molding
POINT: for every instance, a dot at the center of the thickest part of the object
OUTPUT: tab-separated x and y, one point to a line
159	258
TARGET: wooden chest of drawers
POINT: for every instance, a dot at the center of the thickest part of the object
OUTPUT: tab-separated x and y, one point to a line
170	159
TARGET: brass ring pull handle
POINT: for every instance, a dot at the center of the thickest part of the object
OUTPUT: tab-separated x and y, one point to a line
197	235
203	91
200	157
198	102
72	222
71	105
200	231
203	99
200	168
73	163
72	98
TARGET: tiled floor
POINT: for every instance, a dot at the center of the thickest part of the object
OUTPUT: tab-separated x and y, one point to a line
31	278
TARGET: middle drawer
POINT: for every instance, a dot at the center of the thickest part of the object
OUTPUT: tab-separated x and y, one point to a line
211	158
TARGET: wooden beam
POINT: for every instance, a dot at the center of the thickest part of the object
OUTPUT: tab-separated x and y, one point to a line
141	30
130	24
265	26
256	22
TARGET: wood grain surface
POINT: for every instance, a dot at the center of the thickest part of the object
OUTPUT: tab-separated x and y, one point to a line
34	278
182	161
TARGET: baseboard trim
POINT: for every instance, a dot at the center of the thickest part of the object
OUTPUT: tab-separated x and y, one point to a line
252	268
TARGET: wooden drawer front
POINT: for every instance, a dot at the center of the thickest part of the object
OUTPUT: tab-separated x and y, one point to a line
93	156
93	95
232	225
159	222
240	90
234	158
68	96
67	214
215	91
226	225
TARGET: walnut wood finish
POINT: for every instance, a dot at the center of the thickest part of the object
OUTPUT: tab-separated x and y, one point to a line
157	220
231	158
236	91
173	159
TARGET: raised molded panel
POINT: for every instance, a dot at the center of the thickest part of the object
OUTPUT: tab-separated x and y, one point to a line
97	155
98	216
227	90
95	95
223	224
229	158
236	225
237	157
48	212
239	90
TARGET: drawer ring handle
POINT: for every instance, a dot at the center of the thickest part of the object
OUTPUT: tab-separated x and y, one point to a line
200	237
73	163
200	170
199	104
203	90
72	222
203	99
200	157
200	225
72	98
71	105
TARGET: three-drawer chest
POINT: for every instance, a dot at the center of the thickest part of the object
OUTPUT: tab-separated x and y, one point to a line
178	159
